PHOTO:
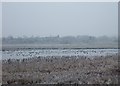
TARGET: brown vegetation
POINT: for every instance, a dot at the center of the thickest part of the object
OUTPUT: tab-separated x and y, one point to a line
99	70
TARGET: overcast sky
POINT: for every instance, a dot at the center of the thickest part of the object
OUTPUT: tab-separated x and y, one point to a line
0	19
51	19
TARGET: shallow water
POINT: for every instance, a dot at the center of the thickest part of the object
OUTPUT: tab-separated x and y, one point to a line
28	53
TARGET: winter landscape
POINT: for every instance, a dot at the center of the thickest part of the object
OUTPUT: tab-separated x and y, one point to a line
59	43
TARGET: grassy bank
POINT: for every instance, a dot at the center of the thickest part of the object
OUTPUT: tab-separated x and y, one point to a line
100	70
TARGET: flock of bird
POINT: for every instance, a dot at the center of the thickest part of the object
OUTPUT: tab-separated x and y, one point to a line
20	54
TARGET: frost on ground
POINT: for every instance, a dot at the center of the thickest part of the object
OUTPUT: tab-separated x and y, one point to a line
67	70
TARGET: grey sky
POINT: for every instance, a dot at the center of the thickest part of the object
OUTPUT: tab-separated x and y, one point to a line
0	19
50	18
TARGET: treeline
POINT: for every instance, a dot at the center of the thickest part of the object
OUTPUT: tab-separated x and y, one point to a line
59	40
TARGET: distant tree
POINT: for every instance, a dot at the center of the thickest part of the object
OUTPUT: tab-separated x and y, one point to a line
10	37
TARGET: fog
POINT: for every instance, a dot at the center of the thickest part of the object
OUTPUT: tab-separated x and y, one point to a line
58	18
0	19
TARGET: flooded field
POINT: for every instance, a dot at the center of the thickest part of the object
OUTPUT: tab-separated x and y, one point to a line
60	66
56	66
31	53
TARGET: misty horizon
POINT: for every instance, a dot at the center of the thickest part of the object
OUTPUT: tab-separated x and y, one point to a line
32	36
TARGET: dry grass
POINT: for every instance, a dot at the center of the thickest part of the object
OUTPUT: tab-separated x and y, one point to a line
100	70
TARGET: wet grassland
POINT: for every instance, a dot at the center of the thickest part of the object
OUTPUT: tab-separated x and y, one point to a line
61	70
